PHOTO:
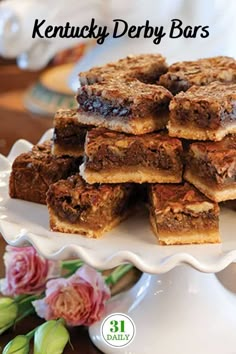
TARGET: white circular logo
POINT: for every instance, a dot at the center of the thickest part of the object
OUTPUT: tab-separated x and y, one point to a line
118	330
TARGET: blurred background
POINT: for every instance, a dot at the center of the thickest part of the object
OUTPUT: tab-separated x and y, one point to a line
28	99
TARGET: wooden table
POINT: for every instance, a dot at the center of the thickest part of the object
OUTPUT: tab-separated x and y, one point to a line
15	123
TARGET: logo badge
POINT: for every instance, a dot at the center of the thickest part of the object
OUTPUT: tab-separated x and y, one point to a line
118	330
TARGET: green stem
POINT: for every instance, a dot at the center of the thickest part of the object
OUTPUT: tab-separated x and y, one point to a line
76	263
30	298
71	266
31	333
19	298
2	330
73	261
26	313
25	306
118	273
62	321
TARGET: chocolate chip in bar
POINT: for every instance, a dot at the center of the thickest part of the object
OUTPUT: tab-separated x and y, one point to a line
126	106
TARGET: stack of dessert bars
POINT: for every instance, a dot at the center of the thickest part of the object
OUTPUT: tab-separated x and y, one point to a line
140	122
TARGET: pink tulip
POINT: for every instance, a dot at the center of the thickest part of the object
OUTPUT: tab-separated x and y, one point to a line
79	300
26	271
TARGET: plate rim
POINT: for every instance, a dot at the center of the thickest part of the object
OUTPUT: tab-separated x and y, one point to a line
121	256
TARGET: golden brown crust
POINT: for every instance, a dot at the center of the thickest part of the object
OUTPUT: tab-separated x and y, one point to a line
139	126
127	174
211	167
195	133
78	207
183	239
67	150
210	188
117	157
209	110
56	224
180	214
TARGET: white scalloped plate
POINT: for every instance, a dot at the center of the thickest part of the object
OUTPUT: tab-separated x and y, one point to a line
23	223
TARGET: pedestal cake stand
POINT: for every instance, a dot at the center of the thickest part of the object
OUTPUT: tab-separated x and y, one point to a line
178	305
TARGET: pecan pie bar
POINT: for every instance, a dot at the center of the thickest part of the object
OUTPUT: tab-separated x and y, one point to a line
77	207
130	106
181	76
211	167
112	157
69	134
144	67
179	214
204	113
34	171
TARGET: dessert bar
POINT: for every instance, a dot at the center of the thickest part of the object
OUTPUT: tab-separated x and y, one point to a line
34	171
126	106
179	214
112	157
69	134
181	76
211	167
77	207
204	113
144	67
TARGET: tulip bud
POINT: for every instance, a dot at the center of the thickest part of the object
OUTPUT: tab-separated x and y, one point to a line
19	345
51	337
8	313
